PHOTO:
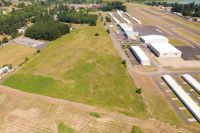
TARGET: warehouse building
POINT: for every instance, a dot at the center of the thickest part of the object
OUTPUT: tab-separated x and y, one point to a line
140	55
192	82
154	39
164	50
183	96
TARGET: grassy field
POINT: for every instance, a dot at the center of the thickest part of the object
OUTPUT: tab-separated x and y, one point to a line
62	128
14	54
81	67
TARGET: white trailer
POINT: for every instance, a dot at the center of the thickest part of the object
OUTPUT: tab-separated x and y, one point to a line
140	55
192	82
183	96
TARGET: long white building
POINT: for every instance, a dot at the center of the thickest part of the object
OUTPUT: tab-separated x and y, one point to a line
192	82
154	39
121	14
140	55
164	50
135	19
183	96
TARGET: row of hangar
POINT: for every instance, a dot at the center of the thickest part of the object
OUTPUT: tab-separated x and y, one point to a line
189	103
158	44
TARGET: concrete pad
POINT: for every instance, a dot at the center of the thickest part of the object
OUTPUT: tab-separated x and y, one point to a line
163	83
192	120
175	98
182	108
168	90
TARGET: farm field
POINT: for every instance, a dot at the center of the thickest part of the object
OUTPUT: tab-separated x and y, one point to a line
14	54
81	67
168	23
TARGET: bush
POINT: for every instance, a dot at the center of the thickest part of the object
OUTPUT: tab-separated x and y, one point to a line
108	31
95	114
108	19
49	30
96	34
4	40
136	129
38	51
124	62
139	90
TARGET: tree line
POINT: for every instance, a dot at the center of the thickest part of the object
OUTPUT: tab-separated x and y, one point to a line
77	18
113	5
190	9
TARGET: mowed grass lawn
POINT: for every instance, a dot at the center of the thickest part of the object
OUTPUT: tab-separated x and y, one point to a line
81	67
14	54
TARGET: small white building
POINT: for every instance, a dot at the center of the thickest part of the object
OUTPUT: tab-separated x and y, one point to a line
128	31
22	30
164	50
140	55
154	39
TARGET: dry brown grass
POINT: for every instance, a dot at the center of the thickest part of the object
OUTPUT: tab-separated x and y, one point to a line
14	54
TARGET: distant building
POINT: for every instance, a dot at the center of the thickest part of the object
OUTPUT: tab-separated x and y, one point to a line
22	30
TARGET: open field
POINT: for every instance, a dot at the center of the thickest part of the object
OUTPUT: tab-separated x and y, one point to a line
168	23
14	54
81	67
23	112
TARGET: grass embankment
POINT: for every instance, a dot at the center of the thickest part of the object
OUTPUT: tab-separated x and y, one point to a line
14	54
84	68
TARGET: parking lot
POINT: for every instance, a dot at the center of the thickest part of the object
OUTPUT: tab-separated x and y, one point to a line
174	100
30	42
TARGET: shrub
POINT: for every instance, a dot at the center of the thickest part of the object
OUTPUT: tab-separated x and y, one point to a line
124	62
139	90
38	51
108	19
136	129
108	31
4	40
96	34
95	114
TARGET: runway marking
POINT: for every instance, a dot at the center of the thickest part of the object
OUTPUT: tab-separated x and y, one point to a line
159	30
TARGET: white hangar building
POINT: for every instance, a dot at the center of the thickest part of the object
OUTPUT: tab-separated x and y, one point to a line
154	39
140	55
128	31
164	50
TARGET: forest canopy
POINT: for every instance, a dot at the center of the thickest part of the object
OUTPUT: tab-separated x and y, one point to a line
49	30
77	18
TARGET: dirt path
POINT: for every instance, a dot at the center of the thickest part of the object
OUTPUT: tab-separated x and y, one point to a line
25	112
